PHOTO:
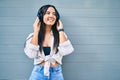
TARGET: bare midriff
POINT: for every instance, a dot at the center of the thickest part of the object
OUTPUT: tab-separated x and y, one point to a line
51	65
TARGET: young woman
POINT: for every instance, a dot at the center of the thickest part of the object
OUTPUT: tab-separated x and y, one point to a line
47	45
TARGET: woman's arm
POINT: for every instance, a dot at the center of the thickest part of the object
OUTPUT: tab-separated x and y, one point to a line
62	36
65	46
36	27
31	47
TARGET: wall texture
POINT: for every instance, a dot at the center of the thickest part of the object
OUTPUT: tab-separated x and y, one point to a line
93	27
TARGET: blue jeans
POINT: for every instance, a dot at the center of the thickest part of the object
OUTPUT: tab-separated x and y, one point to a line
38	73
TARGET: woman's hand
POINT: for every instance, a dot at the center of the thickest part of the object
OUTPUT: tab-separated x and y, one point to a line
60	25
36	25
62	36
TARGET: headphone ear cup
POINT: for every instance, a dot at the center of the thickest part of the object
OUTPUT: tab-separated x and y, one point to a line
39	15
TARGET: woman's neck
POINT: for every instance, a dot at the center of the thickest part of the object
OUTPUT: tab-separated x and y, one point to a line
48	29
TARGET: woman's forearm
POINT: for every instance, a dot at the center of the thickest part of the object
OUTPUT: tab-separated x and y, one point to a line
62	37
35	38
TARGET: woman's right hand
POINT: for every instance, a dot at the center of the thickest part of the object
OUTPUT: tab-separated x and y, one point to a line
36	25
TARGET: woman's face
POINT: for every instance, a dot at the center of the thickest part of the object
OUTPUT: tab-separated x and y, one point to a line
50	16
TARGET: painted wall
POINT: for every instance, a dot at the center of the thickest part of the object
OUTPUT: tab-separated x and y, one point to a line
93	26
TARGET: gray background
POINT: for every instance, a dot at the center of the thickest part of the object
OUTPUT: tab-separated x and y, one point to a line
93	26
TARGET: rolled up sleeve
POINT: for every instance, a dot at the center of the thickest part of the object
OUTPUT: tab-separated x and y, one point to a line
65	48
30	49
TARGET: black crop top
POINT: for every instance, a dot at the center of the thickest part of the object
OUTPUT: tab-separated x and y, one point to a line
46	50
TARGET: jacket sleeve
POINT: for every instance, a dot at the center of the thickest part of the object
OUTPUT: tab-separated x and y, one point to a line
65	48
30	49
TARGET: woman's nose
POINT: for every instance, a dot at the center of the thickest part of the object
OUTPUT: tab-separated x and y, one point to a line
51	15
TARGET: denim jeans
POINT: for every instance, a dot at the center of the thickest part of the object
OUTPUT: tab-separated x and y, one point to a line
38	73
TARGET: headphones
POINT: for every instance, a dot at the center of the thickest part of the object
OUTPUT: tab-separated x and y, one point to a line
41	11
40	14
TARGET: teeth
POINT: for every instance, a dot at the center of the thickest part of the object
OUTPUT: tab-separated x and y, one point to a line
50	20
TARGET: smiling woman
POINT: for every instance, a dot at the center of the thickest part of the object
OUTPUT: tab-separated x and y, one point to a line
49	17
47	45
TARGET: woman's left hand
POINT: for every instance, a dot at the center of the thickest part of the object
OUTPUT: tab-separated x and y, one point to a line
59	25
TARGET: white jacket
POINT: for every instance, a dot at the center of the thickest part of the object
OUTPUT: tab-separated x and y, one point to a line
32	51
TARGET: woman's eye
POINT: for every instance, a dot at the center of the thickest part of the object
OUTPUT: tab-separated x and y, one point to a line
47	12
54	13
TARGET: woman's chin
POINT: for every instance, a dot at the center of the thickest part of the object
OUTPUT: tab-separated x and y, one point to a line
50	24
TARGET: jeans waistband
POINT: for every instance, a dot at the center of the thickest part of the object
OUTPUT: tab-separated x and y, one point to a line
51	68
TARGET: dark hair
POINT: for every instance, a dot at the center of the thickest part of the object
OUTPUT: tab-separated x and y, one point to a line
41	13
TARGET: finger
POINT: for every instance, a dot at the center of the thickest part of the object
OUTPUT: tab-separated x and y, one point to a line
36	22
37	19
59	23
